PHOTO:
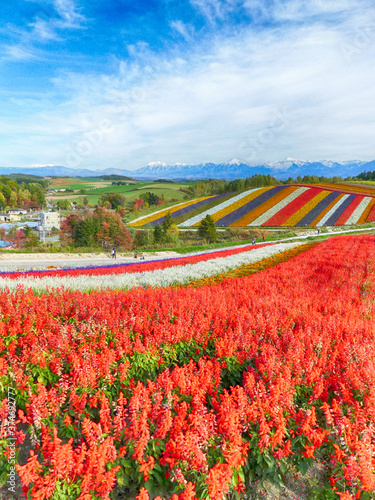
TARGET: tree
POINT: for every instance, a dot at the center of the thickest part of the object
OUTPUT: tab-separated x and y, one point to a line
2	201
207	229
93	229
114	200
158	233
168	222
63	204
138	204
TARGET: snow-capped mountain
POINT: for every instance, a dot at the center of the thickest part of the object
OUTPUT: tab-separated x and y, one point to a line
233	169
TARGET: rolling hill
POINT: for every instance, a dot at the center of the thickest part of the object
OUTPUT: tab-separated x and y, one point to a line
275	206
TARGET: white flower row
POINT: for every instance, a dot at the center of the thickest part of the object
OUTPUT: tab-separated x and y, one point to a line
213	210
332	211
158	278
279	206
353	219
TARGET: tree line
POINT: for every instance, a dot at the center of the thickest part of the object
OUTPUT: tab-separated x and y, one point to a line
20	194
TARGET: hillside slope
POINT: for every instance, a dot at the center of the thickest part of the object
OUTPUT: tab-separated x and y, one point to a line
276	206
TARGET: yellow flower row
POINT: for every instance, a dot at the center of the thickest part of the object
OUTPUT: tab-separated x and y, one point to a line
236	205
297	216
157	215
261	209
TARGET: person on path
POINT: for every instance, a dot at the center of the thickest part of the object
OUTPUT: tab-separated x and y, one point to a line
253	242
114	253
135	254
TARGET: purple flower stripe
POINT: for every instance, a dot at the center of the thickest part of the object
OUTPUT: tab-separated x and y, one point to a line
314	213
187	209
227	220
331	221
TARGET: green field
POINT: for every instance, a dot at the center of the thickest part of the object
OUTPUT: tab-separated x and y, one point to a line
94	188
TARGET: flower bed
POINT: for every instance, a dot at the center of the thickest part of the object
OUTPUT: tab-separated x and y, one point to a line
142	221
358	211
217	208
232	217
340	210
260	214
310	203
331	209
282	215
349	189
198	206
158	275
252	194
198	210
255	267
366	212
317	212
371	215
185	393
349	211
129	267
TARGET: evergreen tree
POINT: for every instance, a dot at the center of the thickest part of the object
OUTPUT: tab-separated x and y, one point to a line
168	222
207	229
158	233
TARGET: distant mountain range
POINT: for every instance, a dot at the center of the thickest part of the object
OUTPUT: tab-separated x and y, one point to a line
233	169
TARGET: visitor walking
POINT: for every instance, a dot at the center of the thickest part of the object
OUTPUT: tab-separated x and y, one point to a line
114	253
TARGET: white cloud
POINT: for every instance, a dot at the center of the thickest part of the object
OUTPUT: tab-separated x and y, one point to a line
214	9
43	30
259	95
18	53
50	24
185	30
68	12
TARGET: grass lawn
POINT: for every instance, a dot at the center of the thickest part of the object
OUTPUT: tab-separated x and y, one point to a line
131	192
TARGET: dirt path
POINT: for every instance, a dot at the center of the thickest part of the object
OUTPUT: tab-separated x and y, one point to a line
14	261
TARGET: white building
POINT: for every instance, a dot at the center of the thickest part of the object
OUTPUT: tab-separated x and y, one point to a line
17	211
50	220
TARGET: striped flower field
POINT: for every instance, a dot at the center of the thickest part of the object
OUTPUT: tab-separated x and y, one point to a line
276	206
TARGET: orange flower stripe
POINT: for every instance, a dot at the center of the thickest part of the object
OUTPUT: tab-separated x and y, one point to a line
238	204
325	211
297	216
264	207
366	212
348	188
157	215
371	215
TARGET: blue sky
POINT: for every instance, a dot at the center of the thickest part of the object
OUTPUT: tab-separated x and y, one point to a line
118	83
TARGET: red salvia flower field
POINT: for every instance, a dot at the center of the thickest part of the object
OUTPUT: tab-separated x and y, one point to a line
184	393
